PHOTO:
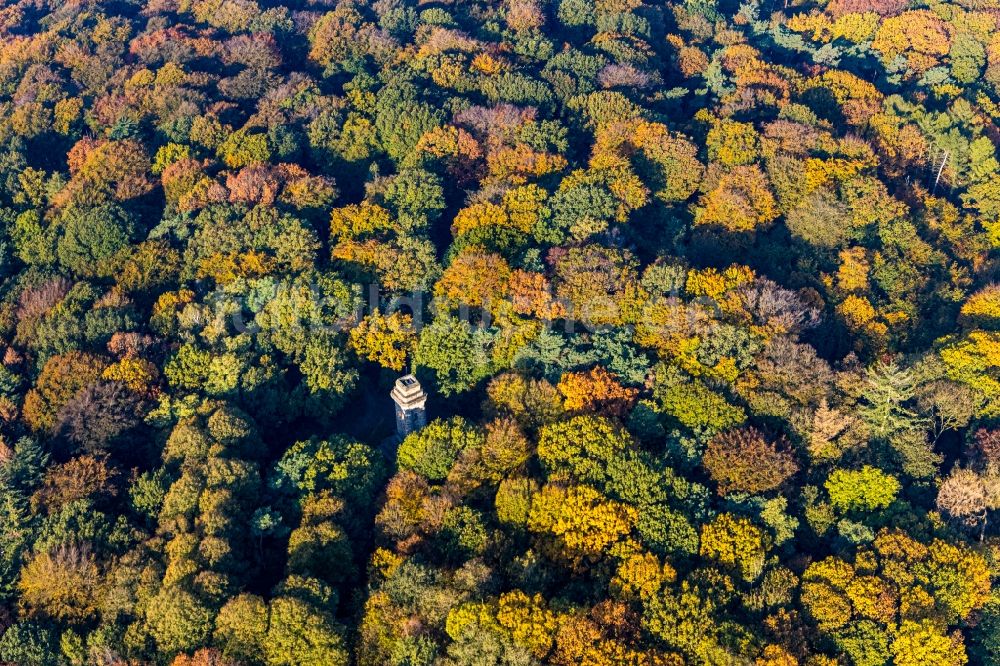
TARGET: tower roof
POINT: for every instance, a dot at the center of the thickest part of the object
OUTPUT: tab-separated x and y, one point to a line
407	392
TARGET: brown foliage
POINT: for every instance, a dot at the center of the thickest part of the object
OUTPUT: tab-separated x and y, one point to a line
80	478
61	584
36	301
986	447
410	509
625	76
494	125
289	183
881	7
253	184
744	460
129	345
96	415
524	15
964	497
120	168
62	377
204	657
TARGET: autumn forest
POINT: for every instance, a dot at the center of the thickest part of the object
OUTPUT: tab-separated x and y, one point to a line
704	296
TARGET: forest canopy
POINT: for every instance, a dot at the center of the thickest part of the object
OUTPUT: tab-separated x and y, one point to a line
704	296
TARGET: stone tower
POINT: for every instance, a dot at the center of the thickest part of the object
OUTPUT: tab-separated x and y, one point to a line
410	400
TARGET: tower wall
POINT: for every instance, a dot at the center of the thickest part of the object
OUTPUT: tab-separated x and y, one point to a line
410	400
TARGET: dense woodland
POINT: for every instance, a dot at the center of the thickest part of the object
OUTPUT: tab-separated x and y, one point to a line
704	295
